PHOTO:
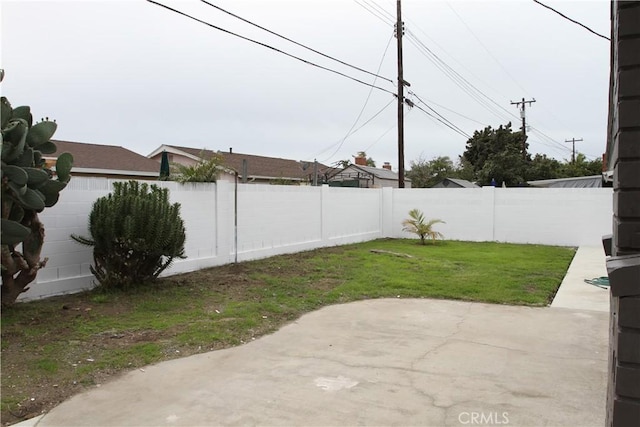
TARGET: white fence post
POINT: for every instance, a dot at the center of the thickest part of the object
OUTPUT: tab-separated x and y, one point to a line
324	214
386	212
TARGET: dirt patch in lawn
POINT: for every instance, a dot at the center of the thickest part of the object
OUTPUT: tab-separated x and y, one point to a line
61	346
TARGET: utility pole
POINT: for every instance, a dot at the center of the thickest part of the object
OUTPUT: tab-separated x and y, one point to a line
524	122
399	32
573	151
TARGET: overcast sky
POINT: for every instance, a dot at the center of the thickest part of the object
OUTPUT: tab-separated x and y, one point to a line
133	74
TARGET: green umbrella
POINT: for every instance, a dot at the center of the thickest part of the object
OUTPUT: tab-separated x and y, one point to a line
164	167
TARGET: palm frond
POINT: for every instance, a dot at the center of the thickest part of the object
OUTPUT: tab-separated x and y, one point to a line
416	224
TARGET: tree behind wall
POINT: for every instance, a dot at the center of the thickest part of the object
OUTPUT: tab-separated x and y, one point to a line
28	187
496	154
426	173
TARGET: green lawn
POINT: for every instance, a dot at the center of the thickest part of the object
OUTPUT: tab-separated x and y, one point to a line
52	349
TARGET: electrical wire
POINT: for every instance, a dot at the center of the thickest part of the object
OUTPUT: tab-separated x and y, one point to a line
456	77
430	52
295	42
455	112
480	97
572	20
381	9
269	47
351	131
465	85
453	128
485	47
374	13
441	118
548	138
497	62
356	130
470	89
405	113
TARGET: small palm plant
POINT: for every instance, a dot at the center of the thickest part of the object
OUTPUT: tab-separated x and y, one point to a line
417	224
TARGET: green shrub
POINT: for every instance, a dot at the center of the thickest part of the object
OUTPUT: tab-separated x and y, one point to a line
135	233
207	169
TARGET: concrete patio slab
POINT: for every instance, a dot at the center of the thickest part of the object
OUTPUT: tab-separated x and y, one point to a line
589	262
378	362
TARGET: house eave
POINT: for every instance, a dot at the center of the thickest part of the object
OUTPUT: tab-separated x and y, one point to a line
172	150
113	172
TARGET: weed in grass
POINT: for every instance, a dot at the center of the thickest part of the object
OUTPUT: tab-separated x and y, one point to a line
47	365
101	298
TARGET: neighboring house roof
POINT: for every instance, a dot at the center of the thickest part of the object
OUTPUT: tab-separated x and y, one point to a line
379	173
367	177
455	183
592	181
106	159
259	167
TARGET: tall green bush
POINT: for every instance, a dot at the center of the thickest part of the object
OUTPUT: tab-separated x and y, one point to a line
28	187
135	233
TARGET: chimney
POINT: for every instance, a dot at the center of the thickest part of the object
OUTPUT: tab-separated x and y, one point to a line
362	161
387	166
230	150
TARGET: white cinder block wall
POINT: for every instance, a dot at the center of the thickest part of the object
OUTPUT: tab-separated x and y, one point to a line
549	216
274	220
553	216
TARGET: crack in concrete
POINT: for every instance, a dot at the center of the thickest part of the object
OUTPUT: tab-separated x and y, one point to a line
445	339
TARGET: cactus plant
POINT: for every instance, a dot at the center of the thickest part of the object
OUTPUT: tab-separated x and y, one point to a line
28	187
135	234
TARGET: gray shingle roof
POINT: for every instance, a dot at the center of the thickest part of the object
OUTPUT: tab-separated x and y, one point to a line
591	181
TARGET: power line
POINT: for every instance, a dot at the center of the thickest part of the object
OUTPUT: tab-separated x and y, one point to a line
450	126
550	141
406	113
572	20
444	120
295	42
480	97
464	84
269	47
457	78
356	130
456	113
492	56
384	54
415	25
374	13
469	88
380	8
485	47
